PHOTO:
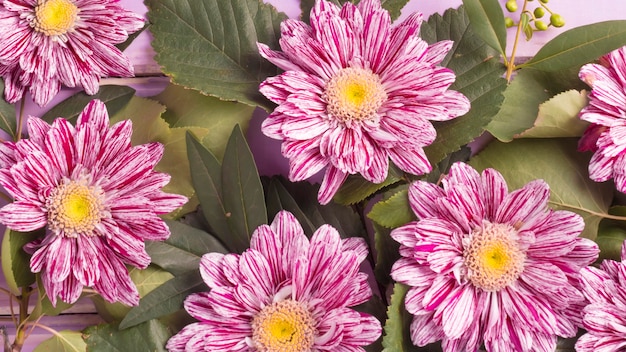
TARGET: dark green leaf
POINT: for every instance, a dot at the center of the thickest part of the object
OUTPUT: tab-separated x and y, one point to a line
394	211
278	198
396	330
182	251
610	241
206	176
386	254
114	97
242	191
150	336
377	308
394	7
579	45
15	261
479	78
356	189
211	45
8	119
558	163
165	299
131	38
487	21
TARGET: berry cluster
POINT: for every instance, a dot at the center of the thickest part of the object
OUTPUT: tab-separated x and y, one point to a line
531	20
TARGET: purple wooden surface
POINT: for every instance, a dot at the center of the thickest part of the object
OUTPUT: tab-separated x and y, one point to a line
267	151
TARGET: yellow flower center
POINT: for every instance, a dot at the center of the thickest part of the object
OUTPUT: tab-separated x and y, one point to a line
75	208
354	94
493	258
285	326
55	17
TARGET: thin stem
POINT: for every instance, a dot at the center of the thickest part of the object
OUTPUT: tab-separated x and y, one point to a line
511	64
20	120
20	334
12	310
5	291
602	215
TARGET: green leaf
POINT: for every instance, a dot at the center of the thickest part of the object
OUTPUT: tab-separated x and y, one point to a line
206	176
149	126
182	251
394	7
394	211
558	117
8	118
16	262
122	46
146	280
610	241
397	337
278	198
244	201
521	106
63	341
114	97
43	305
487	20
150	336
558	163
356	189
165	299
579	45
190	108
386	254
210	45
479	78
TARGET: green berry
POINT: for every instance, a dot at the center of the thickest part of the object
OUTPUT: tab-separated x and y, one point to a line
539	12
541	25
544	1
557	20
511	5
508	22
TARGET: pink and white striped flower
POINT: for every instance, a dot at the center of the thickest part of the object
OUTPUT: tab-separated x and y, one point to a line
285	293
98	197
606	111
48	43
605	316
356	92
490	267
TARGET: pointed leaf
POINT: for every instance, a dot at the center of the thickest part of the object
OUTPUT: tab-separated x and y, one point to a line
8	118
165	299
114	97
278	198
356	189
386	254
16	262
193	240
244	201
210	45
63	341
479	78
558	117
394	211
190	108
150	336
487	20
206	176
558	163
397	337
579	45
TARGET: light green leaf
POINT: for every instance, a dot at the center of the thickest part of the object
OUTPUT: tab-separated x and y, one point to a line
558	163
8	118
558	117
63	341
206	176
149	126
487	20
114	97
210	45
479	78
165	299
394	211
521	106
579	45
149	336
16	262
242	190
189	108
397	336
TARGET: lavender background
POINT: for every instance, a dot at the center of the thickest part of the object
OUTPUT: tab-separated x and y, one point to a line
266	150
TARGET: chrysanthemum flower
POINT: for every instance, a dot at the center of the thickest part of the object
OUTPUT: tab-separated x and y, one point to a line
607	113
48	43
356	92
605	317
285	293
490	267
98	197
